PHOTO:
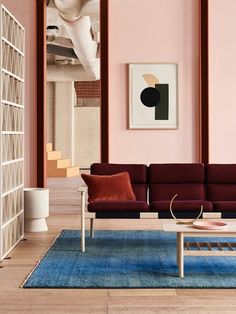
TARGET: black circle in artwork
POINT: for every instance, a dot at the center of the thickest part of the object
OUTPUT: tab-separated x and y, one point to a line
150	97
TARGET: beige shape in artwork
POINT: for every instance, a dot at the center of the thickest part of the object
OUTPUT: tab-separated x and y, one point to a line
151	80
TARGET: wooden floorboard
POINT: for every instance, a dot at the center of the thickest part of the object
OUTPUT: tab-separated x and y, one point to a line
65	214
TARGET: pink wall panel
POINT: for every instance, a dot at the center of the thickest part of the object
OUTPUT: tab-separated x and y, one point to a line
222	80
154	31
25	12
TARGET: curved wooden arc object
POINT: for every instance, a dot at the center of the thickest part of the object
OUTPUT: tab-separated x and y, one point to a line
183	222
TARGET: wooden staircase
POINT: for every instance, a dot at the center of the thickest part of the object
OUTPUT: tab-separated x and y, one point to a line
57	167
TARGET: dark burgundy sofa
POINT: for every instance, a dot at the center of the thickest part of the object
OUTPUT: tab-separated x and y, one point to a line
221	188
213	186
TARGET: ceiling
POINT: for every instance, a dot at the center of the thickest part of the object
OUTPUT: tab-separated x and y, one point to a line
64	35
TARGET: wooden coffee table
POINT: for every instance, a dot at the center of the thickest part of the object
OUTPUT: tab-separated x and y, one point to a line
200	248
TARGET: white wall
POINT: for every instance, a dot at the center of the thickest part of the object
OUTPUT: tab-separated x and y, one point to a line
87	136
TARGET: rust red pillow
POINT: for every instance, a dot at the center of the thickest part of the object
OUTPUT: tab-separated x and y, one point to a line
116	187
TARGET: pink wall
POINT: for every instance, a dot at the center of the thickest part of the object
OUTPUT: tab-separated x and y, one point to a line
25	12
222	80
154	31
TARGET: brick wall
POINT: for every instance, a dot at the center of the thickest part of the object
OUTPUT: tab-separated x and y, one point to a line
90	89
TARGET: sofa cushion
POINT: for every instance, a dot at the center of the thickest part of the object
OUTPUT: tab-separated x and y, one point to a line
221	192
176	173
221	173
116	187
121	206
186	180
140	191
181	206
187	191
137	172
224	206
221	182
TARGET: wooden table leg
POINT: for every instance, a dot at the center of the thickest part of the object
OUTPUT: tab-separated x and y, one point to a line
177	249
92	228
181	254
83	222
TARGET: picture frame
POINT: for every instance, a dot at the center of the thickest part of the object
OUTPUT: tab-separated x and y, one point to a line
153	96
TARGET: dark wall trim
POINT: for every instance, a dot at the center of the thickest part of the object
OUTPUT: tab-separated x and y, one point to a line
104	82
204	84
41	93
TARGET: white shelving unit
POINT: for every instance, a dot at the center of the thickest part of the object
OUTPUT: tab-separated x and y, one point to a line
12	36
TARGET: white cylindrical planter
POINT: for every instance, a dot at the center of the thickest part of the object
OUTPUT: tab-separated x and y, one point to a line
36	209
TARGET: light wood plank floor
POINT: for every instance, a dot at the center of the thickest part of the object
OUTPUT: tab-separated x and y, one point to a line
65	214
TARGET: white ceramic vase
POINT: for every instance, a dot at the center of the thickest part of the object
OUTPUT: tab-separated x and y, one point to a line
36	209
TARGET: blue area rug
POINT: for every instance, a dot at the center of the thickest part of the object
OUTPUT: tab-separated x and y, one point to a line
127	259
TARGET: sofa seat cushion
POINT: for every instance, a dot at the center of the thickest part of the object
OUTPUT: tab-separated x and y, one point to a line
118	206
224	206
181	206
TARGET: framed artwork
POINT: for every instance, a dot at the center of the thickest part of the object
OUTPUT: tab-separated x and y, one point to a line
153	95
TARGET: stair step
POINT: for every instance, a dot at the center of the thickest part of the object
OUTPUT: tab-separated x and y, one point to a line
59	163
63	172
49	147
72	171
54	155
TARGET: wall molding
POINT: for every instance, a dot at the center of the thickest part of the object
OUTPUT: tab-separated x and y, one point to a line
204	84
41	93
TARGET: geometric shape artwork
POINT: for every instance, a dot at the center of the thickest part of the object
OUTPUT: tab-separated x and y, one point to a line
11	132
162	109
150	97
153	96
157	97
151	80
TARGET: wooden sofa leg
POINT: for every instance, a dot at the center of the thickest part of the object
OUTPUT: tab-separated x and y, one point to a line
83	222
92	228
82	234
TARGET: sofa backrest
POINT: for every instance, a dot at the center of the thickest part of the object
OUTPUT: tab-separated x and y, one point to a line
137	172
166	180
221	182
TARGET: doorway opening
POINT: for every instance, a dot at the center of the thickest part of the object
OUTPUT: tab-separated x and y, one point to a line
73	86
74	94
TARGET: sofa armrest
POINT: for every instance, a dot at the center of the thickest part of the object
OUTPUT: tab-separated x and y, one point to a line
83	189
